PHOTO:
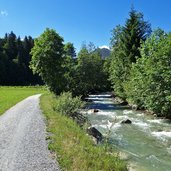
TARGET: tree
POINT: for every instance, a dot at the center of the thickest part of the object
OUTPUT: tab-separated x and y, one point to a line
10	45
125	49
47	59
70	50
90	73
116	36
149	85
14	61
3	68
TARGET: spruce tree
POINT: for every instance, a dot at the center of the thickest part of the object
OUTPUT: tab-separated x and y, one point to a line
126	42
70	50
134	31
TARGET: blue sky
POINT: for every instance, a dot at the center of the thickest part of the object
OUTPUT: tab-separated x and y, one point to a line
78	20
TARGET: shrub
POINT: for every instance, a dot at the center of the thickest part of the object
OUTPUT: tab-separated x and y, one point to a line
66	104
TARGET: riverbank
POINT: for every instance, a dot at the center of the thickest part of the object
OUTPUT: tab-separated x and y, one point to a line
145	141
72	147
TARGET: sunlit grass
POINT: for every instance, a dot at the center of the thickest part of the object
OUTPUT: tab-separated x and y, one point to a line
75	150
9	96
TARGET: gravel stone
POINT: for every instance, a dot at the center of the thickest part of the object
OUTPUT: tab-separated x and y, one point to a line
22	139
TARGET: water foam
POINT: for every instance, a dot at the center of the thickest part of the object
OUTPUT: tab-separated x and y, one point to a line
122	117
109	125
101	95
162	134
155	121
153	157
141	124
140	114
126	112
106	113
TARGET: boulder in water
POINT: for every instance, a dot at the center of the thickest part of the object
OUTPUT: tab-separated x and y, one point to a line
95	110
124	103
95	133
127	121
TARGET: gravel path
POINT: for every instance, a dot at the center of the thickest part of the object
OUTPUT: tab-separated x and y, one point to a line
22	139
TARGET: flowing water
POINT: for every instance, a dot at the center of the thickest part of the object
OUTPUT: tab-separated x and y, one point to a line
146	143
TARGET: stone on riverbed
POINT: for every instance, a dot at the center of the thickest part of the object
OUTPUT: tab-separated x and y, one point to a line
127	121
95	133
95	110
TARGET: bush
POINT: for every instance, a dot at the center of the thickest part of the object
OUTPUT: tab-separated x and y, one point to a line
66	104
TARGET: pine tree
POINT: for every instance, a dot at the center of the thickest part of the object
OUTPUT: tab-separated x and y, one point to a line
10	45
134	31
126	42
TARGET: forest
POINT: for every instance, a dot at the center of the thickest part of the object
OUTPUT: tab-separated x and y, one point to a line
14	61
138	69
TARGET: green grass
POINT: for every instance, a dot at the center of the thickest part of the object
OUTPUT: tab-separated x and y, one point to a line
74	149
9	96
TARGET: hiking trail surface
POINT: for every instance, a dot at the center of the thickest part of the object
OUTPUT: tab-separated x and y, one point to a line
23	145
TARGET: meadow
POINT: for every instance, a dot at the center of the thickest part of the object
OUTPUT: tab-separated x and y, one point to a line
9	95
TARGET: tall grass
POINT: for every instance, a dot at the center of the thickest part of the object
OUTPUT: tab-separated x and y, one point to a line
9	96
75	150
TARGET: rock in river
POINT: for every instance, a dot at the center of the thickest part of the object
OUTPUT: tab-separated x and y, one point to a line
95	133
127	121
95	110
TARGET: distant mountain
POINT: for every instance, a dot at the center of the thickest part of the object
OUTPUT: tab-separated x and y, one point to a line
104	52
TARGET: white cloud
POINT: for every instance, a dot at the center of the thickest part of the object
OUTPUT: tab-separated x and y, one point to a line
104	46
4	13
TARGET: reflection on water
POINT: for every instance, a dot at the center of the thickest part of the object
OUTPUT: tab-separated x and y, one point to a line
146	142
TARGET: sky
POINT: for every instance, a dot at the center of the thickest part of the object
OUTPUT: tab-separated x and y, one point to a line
78	21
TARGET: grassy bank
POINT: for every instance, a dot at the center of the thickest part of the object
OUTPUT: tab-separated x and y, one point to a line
9	96
75	150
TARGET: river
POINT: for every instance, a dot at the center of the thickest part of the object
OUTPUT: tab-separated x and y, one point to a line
146	143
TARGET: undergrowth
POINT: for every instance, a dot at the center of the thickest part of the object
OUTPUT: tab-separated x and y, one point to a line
74	149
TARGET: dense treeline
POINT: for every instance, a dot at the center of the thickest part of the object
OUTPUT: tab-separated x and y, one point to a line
140	65
55	62
14	61
149	84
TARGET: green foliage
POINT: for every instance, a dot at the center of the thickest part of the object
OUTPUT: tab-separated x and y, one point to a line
14	61
150	79
90	71
75	150
66	104
125	44
70	50
61	71
47	59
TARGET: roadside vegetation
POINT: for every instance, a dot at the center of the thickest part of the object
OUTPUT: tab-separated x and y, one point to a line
9	96
74	148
